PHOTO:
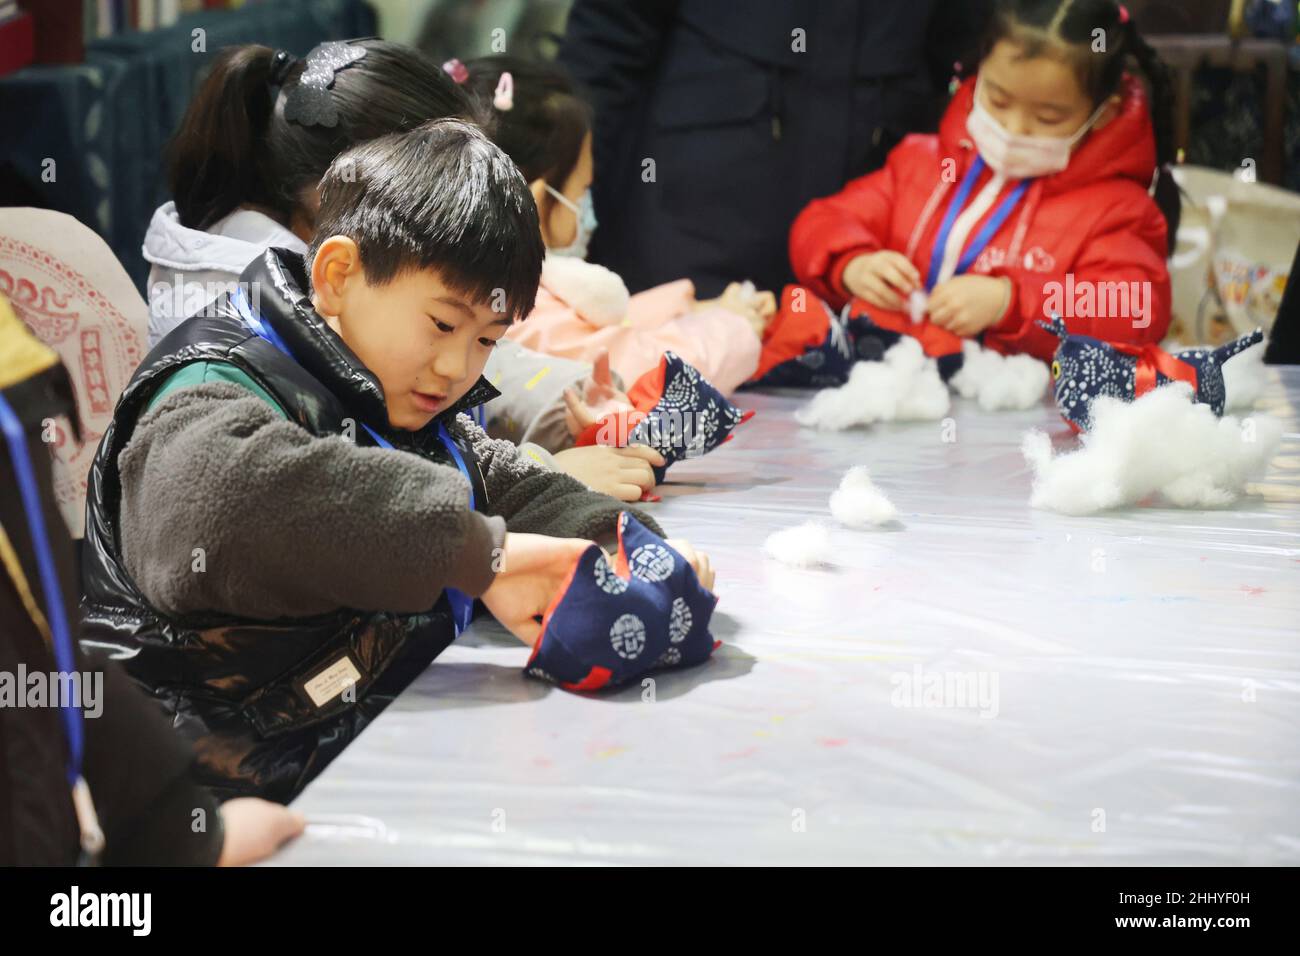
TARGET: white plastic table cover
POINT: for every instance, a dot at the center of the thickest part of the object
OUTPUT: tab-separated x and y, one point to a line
1141	683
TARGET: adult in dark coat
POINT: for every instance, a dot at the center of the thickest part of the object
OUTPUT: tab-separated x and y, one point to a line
748	111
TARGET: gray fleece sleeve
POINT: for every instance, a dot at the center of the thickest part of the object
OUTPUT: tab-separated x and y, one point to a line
534	500
530	408
532	387
289	524
549	430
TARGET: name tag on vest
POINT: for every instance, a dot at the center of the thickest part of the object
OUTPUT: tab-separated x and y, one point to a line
330	682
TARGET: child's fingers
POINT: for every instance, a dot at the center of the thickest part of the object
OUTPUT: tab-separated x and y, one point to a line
877	300
571	424
905	265
959	323
896	276
684	548
963	325
597	394
625	491
881	295
698	560
637	471
600	369
578	409
942	306
704	571
766	304
645	453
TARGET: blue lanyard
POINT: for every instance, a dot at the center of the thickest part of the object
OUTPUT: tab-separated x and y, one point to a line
462	605
61	635
983	237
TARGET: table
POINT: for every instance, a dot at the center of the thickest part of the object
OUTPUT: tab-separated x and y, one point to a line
1147	668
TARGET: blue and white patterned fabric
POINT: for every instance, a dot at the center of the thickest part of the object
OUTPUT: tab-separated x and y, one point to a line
617	621
691	417
1085	368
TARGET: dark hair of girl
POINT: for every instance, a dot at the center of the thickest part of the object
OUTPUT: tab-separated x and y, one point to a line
1040	26
544	127
235	148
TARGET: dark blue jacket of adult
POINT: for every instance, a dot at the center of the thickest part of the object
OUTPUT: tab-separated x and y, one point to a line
748	110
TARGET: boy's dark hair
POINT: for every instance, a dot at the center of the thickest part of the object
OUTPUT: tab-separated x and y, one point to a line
439	197
1038	26
235	148
547	122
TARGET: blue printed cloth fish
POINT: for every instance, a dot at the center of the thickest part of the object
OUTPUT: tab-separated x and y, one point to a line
1085	368
616	621
679	414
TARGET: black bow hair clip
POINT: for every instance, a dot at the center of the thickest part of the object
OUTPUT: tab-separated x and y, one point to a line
309	102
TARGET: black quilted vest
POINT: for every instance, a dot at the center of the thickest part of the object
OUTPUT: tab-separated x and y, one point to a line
254	695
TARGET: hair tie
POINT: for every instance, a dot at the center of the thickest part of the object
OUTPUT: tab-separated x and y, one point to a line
456	70
505	94
309	102
1123	14
281	64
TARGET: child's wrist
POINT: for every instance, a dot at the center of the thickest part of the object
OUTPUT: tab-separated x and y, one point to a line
1008	296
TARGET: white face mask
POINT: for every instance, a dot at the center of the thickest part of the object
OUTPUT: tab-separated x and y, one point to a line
585	212
1021	157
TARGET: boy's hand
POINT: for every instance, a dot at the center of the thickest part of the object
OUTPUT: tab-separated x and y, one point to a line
883	279
698	560
533	569
596	397
255	829
623	473
967	305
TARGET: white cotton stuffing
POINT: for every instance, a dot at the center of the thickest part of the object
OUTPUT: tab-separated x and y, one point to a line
858	503
1161	443
803	546
904	387
1243	379
1000	382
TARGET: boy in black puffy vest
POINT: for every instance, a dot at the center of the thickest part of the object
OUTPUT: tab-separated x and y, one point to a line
290	517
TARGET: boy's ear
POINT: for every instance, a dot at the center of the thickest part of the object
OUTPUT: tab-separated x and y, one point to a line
337	263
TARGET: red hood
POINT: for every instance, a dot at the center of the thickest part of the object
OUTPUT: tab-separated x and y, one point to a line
1124	148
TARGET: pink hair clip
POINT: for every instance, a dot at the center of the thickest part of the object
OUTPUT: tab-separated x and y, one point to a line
1123	13
505	93
456	70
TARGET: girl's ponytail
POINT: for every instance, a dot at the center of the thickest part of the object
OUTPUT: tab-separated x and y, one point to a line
264	126
1163	100
213	164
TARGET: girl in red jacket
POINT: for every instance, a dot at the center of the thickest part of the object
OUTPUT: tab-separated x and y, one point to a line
1034	198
